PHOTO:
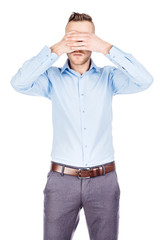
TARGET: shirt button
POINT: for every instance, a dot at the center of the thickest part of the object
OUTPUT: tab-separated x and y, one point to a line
85	145
82	94
84	128
51	58
83	111
47	55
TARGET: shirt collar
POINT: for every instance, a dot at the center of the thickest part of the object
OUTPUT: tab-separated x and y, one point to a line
66	65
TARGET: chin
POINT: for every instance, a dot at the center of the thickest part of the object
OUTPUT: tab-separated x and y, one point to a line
77	62
76	59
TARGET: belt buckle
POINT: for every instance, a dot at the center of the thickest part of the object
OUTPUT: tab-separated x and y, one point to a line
83	169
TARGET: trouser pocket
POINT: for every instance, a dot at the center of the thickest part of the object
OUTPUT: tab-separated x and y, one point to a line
117	182
49	174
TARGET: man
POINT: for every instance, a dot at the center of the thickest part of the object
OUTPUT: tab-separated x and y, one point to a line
82	172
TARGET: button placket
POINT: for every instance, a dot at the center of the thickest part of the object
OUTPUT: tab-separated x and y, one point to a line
83	114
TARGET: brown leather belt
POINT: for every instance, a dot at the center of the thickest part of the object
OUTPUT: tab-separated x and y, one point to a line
87	172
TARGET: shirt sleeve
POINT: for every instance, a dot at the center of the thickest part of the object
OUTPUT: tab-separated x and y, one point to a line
130	76
32	77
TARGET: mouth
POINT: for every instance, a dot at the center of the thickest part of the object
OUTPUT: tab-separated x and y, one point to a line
77	54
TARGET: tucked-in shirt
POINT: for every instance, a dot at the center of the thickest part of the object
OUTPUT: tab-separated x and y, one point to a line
81	103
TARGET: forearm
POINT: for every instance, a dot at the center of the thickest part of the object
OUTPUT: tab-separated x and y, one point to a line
33	68
130	76
106	47
131	67
57	48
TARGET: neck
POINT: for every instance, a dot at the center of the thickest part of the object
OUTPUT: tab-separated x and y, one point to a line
80	68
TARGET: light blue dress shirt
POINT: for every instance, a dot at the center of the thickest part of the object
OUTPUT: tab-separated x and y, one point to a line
81	104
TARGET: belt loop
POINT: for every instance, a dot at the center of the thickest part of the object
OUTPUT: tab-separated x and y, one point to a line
62	172
103	169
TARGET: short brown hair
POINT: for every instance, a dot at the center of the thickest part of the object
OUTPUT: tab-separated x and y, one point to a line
80	17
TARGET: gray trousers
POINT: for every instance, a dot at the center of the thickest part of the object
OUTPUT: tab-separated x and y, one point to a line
65	195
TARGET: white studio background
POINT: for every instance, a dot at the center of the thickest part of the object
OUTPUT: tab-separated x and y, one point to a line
26	126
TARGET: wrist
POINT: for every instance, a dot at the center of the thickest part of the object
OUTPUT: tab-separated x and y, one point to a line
106	48
56	50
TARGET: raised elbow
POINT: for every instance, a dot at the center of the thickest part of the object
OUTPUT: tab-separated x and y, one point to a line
13	83
146	81
17	82
149	81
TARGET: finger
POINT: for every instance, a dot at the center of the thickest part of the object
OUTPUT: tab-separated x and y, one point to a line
79	34
71	32
76	38
76	44
79	48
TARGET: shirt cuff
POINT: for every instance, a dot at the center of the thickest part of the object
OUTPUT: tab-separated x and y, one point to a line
46	54
120	58
115	51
